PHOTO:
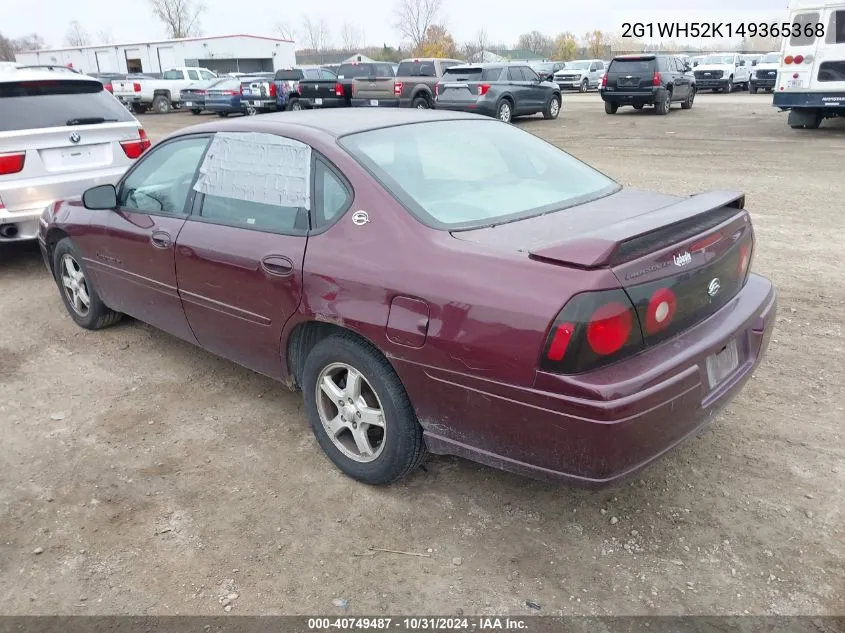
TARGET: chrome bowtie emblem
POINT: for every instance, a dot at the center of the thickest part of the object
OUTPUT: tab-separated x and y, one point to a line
360	218
74	137
714	287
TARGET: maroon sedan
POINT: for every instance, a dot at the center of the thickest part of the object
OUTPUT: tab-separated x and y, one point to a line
431	281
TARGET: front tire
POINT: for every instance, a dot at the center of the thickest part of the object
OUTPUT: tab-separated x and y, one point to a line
222	114
686	104
552	108
359	411
752	90
195	111
78	293
585	85
610	107
730	86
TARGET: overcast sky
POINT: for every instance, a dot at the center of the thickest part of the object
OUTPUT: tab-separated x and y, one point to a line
131	20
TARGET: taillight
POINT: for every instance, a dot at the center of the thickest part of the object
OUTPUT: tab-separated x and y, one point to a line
338	89
108	87
136	87
744	259
241	89
12	163
272	90
655	81
604	81
661	309
436	90
231	92
397	88
133	149
799	59
482	89
593	329
788	59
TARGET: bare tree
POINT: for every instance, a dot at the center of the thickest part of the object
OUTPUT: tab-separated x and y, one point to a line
104	37
285	31
180	17
350	37
414	17
317	34
31	42
7	49
537	43
77	35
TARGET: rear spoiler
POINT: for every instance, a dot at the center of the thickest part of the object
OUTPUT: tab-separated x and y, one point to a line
633	237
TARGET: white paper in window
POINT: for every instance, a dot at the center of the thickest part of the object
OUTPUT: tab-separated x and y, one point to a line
257	167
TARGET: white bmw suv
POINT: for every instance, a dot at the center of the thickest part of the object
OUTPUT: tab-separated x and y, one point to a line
60	133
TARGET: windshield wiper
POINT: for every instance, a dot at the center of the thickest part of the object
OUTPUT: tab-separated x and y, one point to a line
91	120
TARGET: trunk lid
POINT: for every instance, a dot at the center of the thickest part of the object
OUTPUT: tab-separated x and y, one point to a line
464	84
373	88
692	253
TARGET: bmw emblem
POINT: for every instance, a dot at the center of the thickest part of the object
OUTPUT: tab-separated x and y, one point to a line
714	287
74	137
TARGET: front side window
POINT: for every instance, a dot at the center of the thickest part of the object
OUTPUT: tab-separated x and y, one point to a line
207	76
528	74
483	179
161	181
192	74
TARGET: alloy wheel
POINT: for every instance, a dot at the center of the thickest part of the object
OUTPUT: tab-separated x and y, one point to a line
351	412
554	107
75	285
505	112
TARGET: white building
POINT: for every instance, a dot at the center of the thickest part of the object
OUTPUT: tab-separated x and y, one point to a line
224	53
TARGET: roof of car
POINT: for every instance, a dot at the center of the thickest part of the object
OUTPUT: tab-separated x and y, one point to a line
336	121
26	74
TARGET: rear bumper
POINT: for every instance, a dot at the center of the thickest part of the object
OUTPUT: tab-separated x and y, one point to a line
379	103
192	104
486	108
24	216
630	97
809	100
261	104
661	398
325	102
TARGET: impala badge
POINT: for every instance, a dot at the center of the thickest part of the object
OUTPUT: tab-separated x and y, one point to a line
714	287
682	259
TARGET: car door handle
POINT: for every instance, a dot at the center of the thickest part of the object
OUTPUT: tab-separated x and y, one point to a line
161	239
277	265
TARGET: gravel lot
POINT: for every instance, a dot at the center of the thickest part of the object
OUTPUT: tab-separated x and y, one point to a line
142	475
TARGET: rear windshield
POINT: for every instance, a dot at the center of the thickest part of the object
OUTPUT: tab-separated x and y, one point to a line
416	69
357	71
287	75
472	74
631	65
26	105
492	173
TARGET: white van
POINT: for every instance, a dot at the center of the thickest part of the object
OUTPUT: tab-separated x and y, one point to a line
811	78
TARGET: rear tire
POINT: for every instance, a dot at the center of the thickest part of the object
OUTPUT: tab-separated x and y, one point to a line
420	102
222	114
161	104
665	104
805	119
686	104
552	108
195	111
504	111
75	286
139	109
752	90
610	107
638	106
295	105
394	446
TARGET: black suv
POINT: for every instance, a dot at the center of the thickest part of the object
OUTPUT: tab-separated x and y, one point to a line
501	90
657	80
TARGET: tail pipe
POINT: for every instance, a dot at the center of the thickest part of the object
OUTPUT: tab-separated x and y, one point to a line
9	231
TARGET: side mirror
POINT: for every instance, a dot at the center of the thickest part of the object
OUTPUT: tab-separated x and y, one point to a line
100	198
694	64
742	62
687	68
754	62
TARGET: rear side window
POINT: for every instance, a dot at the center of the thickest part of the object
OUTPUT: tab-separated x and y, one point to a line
331	195
27	105
416	69
806	21
628	66
836	28
832	71
192	74
172	74
515	74
327	74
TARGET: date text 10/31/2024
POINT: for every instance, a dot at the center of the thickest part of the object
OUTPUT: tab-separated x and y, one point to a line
418	624
721	29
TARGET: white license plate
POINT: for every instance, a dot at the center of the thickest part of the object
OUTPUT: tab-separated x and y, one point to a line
374	102
318	102
795	83
722	364
189	103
